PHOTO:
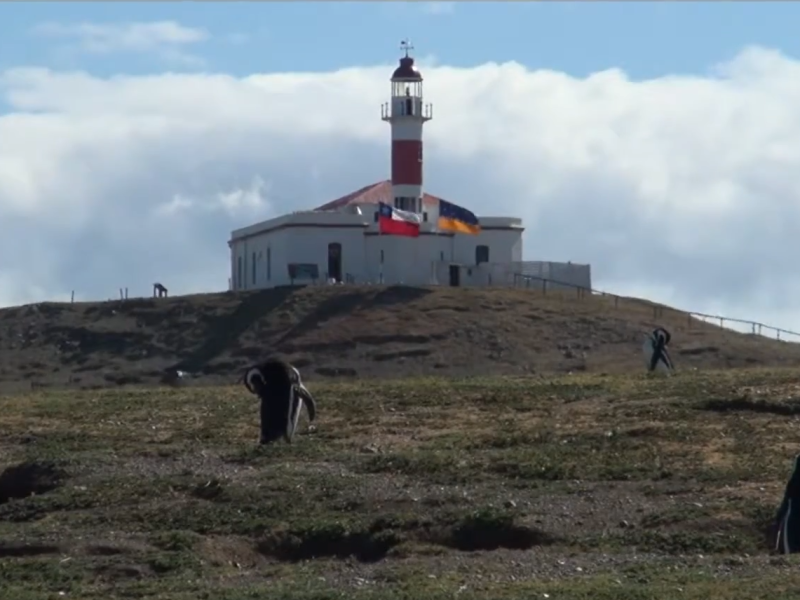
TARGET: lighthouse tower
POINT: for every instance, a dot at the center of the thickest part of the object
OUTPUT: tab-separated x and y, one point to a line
406	114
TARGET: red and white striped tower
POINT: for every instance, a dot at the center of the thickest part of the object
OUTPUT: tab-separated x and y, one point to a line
406	114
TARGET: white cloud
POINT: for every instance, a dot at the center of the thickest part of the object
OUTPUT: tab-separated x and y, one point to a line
235	202
176	205
247	199
439	8
680	187
164	38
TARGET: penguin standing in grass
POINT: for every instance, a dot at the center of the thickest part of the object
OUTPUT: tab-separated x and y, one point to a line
655	351
787	521
282	394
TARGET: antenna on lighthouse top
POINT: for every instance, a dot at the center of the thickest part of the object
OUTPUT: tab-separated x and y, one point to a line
406	45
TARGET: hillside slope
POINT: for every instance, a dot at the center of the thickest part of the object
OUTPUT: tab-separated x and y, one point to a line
369	331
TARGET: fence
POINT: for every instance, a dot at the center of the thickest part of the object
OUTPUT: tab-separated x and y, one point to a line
561	274
159	291
545	286
550	285
503	274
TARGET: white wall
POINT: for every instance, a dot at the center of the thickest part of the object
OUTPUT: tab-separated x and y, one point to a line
310	245
504	246
298	238
295	245
405	260
504	274
268	252
411	260
471	275
369	258
282	240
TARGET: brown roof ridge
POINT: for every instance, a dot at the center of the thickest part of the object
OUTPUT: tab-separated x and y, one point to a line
373	193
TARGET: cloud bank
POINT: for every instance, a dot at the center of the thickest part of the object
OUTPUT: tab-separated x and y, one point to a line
682	188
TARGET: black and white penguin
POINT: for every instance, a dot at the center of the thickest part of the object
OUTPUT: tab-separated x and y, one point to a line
655	351
283	394
787	521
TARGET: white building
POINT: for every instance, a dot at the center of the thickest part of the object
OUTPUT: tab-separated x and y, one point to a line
340	240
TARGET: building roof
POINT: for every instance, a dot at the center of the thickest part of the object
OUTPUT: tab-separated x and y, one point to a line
407	70
372	194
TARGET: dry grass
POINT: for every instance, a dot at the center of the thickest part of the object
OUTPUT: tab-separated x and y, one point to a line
574	487
373	331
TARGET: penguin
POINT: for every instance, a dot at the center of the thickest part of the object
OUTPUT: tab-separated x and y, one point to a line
655	351
283	394
787	520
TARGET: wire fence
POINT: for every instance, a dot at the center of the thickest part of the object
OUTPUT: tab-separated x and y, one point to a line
546	286
552	286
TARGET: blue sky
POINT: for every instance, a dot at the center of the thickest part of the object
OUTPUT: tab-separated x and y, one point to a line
644	39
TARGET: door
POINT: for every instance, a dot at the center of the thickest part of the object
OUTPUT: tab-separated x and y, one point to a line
335	262
481	254
455	276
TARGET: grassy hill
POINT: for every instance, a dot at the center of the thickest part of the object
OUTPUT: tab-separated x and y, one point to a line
369	331
574	487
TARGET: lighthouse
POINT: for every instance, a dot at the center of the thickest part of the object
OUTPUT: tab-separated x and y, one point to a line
406	113
341	240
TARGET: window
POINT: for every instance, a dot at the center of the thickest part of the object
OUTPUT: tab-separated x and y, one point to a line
253	268
481	254
425	217
405	203
409	106
239	275
377	213
420	152
269	264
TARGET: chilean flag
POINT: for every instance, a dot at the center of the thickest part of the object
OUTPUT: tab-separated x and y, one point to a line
393	221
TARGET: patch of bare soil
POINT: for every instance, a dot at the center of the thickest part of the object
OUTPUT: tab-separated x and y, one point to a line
28	479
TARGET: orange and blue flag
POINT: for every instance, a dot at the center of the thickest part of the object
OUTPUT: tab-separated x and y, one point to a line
457	218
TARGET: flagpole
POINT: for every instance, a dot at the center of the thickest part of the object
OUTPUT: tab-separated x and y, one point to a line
416	249
380	255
